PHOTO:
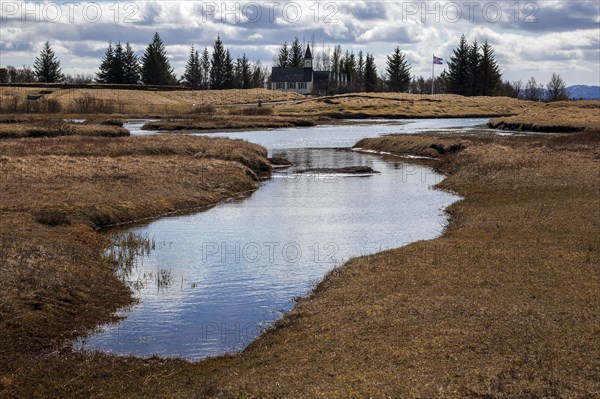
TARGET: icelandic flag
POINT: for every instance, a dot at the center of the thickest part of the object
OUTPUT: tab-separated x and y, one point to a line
438	61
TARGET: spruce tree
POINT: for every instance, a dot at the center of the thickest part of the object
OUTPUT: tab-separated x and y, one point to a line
131	66
489	71
283	58
218	66
370	73
105	73
47	67
243	73
259	75
229	71
119	65
398	71
474	82
156	68
296	55
118	72
457	81
192	77
350	66
358	84
205	66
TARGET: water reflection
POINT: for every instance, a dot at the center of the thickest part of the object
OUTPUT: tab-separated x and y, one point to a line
217	278
234	268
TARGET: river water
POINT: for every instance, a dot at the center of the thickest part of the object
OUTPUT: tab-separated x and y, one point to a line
217	278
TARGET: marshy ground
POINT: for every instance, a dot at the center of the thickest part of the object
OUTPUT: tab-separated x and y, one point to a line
505	304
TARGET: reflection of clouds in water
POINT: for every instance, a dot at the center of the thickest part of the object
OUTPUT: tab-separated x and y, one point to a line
335	136
241	263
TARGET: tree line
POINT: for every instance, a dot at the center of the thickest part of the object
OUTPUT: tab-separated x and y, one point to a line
207	71
472	70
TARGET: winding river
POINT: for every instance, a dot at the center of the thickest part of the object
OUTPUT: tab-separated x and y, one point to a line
217	278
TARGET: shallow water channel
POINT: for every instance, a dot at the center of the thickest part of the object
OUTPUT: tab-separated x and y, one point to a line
216	279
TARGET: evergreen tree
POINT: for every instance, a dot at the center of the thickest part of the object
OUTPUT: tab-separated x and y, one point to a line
117	70
192	77
243	73
398	71
105	73
119	65
205	66
489	72
458	69
218	67
370	73
474	86
259	75
47	67
296	54
358	84
350	66
229	71
283	58
156	68
131	66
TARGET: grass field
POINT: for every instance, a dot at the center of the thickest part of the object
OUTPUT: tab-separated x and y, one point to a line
54	128
139	103
554	117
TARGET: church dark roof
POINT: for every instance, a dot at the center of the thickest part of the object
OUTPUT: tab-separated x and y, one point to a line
288	74
308	54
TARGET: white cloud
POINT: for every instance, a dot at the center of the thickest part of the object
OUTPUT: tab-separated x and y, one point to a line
564	37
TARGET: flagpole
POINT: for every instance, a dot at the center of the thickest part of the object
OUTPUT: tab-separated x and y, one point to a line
432	72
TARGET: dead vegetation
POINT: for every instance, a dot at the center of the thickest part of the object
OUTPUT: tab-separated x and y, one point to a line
403	105
54	128
559	117
137	103
422	145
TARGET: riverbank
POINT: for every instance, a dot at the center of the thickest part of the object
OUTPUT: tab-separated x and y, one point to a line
558	117
56	194
14	129
504	304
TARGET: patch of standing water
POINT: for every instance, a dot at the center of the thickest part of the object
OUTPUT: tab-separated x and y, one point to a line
216	278
334	136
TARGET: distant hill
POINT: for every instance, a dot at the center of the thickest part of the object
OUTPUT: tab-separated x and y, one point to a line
584	92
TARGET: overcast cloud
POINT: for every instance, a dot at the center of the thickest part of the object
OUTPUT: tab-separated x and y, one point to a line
530	38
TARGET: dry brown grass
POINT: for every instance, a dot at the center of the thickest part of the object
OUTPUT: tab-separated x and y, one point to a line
504	305
554	117
422	145
57	128
403	105
144	102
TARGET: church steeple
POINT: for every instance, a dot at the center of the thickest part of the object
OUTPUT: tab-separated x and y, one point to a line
308	57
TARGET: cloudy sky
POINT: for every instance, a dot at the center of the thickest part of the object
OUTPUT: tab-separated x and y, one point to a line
530	38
